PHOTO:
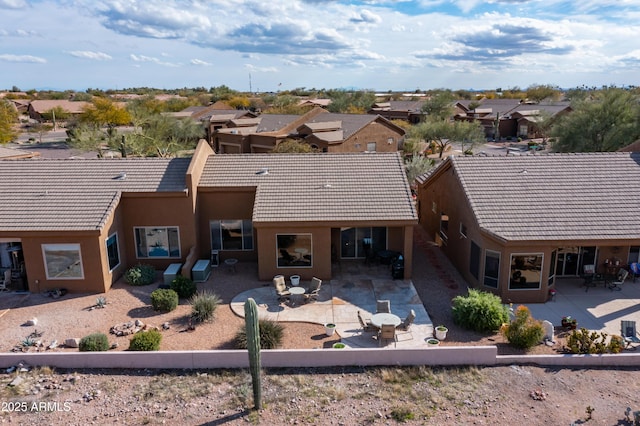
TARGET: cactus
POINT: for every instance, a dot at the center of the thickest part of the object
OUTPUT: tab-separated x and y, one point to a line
253	345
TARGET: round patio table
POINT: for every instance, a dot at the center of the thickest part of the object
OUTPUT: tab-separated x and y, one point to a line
384	318
296	294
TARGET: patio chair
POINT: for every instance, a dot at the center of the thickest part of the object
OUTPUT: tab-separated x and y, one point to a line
314	289
281	288
617	283
366	325
629	334
6	280
411	316
387	332
383	307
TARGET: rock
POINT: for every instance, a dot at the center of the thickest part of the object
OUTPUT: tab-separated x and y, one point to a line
72	343
32	321
139	323
17	381
166	326
114	345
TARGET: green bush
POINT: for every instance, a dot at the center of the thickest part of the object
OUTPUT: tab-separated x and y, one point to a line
164	299
479	311
584	341
616	344
94	343
140	274
524	331
145	341
203	306
184	286
271	334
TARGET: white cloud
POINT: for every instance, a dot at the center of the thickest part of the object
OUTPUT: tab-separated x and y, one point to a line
12	4
86	54
200	62
22	58
151	59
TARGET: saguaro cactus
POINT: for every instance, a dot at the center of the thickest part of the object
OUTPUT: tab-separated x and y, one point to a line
253	345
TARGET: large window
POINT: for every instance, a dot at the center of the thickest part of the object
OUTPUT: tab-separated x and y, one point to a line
294	250
526	271
362	242
231	234
62	261
491	268
153	242
113	253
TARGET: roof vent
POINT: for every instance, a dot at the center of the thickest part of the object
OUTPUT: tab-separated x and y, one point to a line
121	176
263	171
523	172
326	185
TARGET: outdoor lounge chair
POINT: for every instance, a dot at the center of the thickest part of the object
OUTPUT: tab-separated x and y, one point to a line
629	334
617	283
366	325
411	316
383	306
314	289
281	288
387	332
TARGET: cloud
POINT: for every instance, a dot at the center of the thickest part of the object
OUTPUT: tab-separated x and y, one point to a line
366	17
200	62
22	58
151	59
18	33
251	67
13	4
87	54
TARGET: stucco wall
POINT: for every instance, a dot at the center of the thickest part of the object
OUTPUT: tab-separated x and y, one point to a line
374	132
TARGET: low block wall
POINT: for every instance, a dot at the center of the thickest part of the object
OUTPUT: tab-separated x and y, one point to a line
453	355
441	356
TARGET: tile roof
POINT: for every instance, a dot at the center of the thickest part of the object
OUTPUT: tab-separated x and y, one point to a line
587	196
78	194
317	187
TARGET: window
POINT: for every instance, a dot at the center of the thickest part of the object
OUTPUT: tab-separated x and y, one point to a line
526	271
294	250
371	146
474	260
634	254
231	234
62	261
157	242
463	230
552	268
389	141
113	252
444	225
491	268
359	243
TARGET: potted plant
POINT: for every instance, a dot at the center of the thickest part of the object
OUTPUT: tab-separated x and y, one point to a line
432	343
569	322
441	332
329	329
339	345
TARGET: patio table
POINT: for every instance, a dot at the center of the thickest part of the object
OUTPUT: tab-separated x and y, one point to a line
384	318
296	294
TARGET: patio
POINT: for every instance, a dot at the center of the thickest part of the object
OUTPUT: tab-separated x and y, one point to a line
340	300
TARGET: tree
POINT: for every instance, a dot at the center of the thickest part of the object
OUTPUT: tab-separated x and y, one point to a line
292	146
8	117
103	112
417	165
444	132
540	92
439	106
606	121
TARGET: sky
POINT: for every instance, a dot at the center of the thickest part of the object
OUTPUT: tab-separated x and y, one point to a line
275	45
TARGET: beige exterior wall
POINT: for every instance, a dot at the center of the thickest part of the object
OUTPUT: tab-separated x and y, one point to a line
374	132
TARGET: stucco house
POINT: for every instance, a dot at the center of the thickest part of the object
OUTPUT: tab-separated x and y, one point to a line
79	224
410	111
325	131
37	108
519	225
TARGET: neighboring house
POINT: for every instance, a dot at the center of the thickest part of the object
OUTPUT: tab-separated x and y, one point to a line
37	108
79	224
410	111
517	225
13	154
507	118
323	103
327	132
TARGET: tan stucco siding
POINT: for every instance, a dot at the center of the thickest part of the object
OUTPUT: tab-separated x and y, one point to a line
374	132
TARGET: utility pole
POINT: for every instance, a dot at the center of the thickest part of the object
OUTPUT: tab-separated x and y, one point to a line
250	89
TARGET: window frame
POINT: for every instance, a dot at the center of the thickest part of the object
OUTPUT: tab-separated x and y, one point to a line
281	244
246	235
167	229
513	269
487	252
69	247
115	238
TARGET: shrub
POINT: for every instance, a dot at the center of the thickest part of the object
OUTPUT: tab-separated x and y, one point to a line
140	274
184	286
524	331
94	342
584	341
145	341
270	335
616	344
479	311
164	299
203	306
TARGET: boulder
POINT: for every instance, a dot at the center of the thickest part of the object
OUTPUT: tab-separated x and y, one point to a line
72	343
